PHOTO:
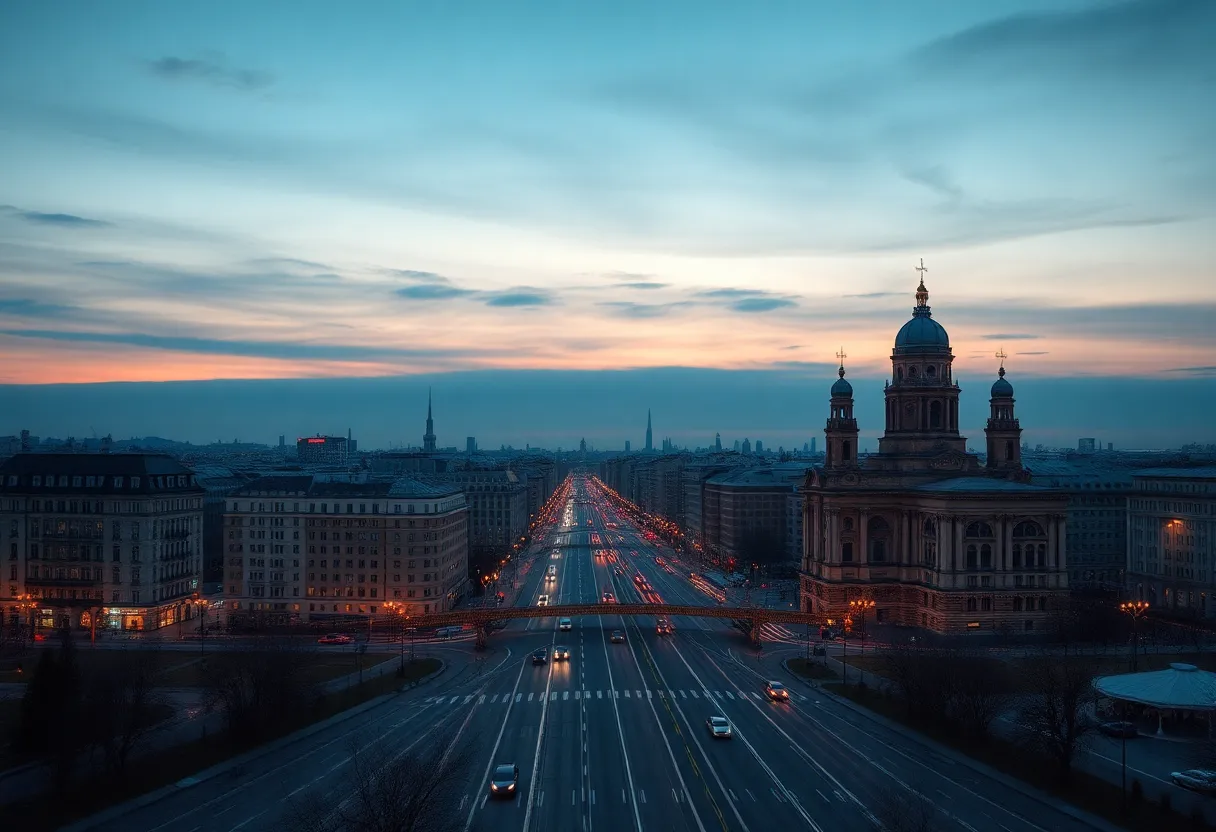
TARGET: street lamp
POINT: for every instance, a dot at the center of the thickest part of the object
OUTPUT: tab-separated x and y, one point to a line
27	603
860	605
1136	609
399	609
201	604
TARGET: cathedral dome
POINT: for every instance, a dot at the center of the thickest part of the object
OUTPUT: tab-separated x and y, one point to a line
842	388
1002	389
922	331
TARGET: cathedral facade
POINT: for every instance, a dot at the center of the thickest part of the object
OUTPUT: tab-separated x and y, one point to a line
923	533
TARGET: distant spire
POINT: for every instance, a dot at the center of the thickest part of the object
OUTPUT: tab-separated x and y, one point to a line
842	355
428	403
428	439
649	433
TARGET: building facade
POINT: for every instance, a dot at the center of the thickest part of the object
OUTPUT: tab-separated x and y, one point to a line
921	529
1171	556
323	450
93	541
746	515
304	548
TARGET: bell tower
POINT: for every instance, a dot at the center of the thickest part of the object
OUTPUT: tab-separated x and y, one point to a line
1003	431
922	397
841	431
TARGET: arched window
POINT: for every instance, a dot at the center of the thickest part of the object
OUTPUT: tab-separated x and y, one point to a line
978	529
878	534
1028	528
985	556
935	414
846	551
1008	450
1042	551
1017	556
972	556
846	451
929	542
931	371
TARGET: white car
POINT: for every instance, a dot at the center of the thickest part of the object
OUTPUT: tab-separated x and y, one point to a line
565	624
542	601
718	727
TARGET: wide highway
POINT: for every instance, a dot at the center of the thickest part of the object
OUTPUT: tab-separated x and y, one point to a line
615	737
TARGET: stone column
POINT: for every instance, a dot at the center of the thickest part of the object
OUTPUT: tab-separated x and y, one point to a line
957	542
863	537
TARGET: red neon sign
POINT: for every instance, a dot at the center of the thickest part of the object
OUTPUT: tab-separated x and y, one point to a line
317	441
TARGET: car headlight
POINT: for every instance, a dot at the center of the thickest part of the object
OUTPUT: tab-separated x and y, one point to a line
493	787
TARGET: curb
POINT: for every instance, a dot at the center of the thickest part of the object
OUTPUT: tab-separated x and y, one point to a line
216	770
1093	821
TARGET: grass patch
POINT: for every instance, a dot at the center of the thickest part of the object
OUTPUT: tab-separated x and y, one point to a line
187	669
811	669
1085	791
166	766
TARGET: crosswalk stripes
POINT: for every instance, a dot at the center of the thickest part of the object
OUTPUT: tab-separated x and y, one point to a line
601	694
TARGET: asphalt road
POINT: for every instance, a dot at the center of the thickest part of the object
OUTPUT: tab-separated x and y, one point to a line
615	738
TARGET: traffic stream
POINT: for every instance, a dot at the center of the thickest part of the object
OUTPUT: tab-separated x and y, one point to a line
616	736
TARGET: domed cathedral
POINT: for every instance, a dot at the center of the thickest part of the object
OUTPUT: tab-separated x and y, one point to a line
932	535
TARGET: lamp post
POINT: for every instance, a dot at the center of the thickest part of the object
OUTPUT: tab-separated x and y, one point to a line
1135	609
201	605
860	605
398	609
27	603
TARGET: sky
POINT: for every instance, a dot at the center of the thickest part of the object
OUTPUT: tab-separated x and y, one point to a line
446	194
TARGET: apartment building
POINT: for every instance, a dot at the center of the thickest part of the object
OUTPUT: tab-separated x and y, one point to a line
305	547
108	541
1171	557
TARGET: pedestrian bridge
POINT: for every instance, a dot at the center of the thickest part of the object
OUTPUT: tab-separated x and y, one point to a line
480	619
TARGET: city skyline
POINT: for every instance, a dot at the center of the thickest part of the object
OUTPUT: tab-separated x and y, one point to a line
554	409
294	198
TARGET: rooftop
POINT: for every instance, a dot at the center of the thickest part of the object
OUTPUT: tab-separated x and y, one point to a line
979	484
1205	473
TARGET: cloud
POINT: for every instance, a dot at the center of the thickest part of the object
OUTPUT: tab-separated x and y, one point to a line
628	309
793	347
761	304
245	348
423	277
27	308
1010	336
520	296
433	291
1038	352
875	295
53	219
731	293
1198	371
213	72
644	284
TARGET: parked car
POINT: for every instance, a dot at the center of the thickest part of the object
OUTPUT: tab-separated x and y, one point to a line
1196	779
335	638
1122	730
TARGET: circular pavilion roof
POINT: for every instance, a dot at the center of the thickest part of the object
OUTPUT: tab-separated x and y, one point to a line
1183	687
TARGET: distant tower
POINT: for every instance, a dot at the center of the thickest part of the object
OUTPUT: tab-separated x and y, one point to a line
582	446
1003	431
626	446
649	434
747	446
428	438
841	430
718	442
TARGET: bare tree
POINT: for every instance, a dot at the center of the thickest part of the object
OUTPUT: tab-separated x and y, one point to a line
1056	712
900	810
390	791
121	704
976	693
262	689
